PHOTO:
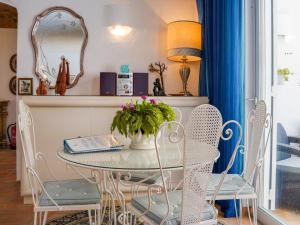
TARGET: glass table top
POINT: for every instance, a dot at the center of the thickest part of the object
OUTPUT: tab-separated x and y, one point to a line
132	159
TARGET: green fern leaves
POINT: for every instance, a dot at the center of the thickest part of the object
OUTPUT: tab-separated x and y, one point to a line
146	116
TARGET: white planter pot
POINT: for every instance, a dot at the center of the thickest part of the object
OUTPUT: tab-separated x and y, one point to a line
143	142
282	81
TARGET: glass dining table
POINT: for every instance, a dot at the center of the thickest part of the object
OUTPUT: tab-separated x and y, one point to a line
126	160
116	168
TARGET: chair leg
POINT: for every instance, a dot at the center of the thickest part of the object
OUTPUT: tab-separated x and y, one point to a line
236	213
115	214
255	207
35	218
45	218
130	219
249	213
99	217
95	217
241	212
102	210
90	217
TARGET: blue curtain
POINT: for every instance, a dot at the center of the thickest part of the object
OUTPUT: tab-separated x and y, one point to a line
222	71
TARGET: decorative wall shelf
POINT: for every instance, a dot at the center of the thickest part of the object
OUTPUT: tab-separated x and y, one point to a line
101	101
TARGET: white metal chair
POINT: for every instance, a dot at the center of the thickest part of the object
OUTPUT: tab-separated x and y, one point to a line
205	124
186	206
56	195
245	186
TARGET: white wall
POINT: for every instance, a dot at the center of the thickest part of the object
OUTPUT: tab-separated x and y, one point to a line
8	2
104	53
288	54
8	47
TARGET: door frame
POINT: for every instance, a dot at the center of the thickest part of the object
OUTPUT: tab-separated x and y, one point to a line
264	29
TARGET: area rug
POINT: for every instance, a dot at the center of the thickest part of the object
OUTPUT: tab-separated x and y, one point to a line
81	218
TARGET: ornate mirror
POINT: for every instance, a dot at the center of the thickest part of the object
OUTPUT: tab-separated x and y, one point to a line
59	32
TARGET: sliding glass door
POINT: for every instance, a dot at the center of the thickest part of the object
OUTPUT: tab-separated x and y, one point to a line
279	85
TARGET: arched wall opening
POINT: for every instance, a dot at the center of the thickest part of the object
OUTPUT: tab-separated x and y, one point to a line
8	70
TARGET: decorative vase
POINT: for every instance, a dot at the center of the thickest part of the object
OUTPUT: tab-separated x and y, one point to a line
141	141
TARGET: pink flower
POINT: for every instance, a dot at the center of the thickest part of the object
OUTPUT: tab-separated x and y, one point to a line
152	101
124	107
144	97
131	106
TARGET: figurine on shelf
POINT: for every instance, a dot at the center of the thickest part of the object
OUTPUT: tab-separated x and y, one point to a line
63	77
157	89
159	68
68	72
42	89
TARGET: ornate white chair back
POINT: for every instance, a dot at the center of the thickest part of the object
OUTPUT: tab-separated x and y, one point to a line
205	125
255	143
169	141
26	129
197	169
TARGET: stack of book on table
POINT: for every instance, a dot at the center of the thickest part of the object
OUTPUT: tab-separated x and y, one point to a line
90	144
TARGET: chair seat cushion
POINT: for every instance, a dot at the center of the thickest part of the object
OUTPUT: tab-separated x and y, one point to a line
159	208
232	184
70	192
290	165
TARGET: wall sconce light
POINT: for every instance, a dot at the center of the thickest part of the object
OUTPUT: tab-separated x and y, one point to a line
119	18
120	30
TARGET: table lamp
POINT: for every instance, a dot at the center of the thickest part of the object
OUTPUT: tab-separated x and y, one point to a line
184	45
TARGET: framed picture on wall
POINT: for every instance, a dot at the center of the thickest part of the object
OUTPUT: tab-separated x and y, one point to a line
25	86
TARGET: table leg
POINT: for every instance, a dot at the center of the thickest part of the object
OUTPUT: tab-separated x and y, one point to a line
112	208
115	185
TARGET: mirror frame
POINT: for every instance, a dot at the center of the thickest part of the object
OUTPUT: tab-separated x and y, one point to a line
36	23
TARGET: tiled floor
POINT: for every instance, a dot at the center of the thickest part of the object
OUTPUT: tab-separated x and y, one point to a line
12	209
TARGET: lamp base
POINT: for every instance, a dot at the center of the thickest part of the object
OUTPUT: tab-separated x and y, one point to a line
184	72
185	93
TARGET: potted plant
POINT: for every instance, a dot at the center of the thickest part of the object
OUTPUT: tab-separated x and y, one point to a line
141	120
283	75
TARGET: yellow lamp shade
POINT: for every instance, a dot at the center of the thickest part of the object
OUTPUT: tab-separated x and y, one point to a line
184	40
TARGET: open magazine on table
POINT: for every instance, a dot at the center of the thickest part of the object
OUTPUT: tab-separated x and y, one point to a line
90	144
